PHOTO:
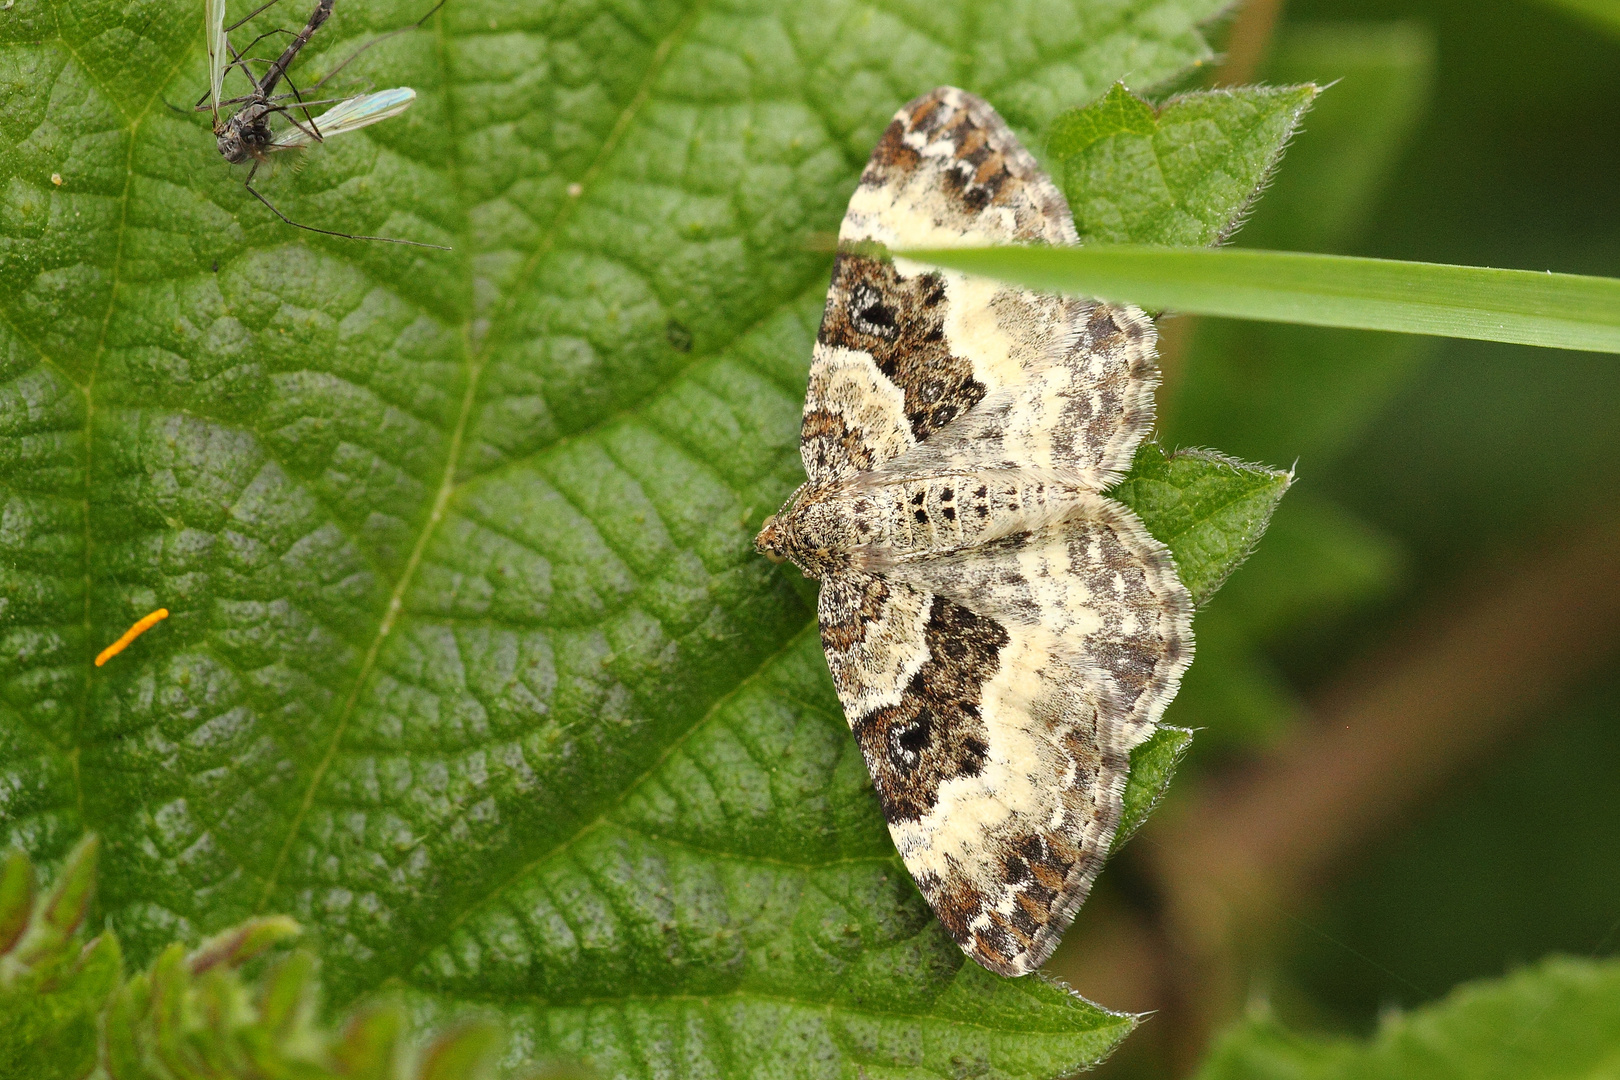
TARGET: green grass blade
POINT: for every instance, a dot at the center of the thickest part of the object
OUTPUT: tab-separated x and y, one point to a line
1562	311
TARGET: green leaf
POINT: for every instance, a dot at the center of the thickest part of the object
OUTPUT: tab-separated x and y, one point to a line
470	666
16	897
50	1013
238	945
196	1015
1152	765
1208	509
1380	74
193	1013
1180	175
54	920
465	1051
1560	1018
1561	311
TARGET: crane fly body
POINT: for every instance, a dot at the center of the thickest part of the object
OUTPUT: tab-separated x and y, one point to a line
245	137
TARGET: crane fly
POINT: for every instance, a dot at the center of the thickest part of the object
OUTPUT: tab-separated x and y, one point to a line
245	135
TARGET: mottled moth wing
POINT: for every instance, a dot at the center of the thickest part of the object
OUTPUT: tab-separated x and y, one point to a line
1000	634
1097	594
904	350
996	693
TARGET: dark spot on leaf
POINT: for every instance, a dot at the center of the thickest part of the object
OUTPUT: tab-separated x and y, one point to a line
680	338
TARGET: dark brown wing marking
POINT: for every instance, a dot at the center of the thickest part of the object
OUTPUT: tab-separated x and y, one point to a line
900	322
935	732
1104	588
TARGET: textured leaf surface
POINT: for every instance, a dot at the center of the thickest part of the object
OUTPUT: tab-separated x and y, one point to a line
1208	509
470	665
1559	1019
1180	175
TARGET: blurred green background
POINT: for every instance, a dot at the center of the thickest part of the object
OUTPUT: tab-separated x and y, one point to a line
1477	458
1462	132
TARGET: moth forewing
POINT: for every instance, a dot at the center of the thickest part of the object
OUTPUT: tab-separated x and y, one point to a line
350	115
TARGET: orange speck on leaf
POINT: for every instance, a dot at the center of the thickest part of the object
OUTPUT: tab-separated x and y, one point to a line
131	634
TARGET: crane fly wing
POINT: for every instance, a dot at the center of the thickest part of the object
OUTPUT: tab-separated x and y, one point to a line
350	115
214	31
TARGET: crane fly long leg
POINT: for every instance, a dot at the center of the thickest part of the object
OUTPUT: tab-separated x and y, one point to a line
376	41
248	183
260	10
303	106
242	59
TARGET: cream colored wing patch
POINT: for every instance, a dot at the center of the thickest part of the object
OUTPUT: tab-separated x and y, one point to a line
999	632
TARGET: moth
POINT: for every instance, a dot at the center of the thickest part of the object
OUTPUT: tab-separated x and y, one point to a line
246	136
1000	633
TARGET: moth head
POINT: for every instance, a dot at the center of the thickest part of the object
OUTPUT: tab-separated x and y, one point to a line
788	537
769	541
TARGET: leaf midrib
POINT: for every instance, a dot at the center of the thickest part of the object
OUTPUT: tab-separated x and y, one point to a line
132	128
602	816
1114	1020
477	356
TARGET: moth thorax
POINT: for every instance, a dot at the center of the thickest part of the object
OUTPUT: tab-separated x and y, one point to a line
813	532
